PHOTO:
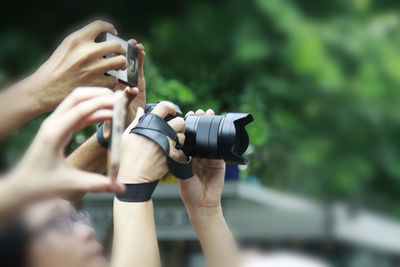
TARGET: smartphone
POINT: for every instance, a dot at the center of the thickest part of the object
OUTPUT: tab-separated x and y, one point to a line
129	76
117	128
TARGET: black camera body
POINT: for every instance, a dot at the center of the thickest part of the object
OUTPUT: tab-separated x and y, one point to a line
215	137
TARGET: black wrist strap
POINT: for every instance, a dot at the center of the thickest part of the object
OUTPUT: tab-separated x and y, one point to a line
137	192
100	137
156	129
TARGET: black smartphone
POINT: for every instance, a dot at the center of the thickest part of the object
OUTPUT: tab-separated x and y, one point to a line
129	76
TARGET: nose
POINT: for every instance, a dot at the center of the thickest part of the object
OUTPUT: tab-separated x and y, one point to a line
86	232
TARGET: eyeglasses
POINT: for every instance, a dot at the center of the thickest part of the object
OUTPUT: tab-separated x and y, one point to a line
65	223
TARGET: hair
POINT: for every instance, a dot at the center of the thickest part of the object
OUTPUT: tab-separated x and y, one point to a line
14	240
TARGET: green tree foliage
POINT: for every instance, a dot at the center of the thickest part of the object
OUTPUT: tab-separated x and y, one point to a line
320	77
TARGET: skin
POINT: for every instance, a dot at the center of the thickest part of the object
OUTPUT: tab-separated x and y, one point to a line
90	156
54	248
44	162
137	246
202	198
78	61
135	240
52	175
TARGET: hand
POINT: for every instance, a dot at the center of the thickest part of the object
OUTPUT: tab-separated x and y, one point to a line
202	192
43	170
79	61
142	159
136	96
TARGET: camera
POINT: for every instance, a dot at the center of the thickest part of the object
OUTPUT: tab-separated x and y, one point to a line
215	137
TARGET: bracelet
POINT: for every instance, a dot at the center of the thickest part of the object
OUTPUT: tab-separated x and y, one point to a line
100	137
138	192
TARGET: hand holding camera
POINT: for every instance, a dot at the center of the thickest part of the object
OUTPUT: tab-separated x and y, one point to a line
202	193
142	159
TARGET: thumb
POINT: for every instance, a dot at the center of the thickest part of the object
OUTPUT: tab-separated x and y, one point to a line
139	114
131	93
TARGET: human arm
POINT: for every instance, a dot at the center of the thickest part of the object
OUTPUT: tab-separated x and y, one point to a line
201	195
43	172
135	240
78	61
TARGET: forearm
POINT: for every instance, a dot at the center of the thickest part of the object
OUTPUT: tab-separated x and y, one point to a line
217	242
135	239
20	104
89	156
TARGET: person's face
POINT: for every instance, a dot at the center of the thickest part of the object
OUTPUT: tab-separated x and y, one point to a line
61	237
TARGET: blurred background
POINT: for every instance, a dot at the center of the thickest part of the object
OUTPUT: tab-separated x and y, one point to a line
321	79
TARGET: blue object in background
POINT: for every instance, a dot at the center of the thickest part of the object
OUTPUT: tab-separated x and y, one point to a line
232	172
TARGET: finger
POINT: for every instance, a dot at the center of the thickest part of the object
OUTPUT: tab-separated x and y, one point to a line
110	47
131	92
81	94
93	182
177	154
178	124
100	115
190	113
141	54
139	114
181	138
163	109
75	117
210	112
92	30
200	112
119	86
112	63
132	42
108	81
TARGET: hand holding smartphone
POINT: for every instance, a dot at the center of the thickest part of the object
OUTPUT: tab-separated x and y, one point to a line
129	76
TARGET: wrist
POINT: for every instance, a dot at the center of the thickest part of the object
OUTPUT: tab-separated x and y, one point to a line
201	213
37	87
134	179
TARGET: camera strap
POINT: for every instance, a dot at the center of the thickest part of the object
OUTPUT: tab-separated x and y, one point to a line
156	129
100	137
138	192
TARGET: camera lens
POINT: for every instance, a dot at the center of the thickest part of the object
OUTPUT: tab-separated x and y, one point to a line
218	137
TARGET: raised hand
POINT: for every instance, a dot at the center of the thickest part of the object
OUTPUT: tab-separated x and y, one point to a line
43	170
79	61
205	188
